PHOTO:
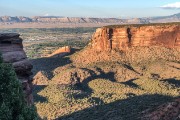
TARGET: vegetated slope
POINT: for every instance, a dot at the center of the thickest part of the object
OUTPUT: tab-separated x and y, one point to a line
108	83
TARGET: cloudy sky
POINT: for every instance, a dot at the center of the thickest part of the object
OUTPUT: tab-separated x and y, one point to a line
89	8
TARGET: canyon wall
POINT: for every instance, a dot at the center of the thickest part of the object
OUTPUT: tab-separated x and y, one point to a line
12	52
127	36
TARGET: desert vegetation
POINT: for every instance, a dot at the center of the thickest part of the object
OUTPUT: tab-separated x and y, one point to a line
101	95
104	89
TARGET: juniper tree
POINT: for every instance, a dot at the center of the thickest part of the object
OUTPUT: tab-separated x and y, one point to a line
12	102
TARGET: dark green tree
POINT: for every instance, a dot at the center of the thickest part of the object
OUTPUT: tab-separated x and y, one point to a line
12	102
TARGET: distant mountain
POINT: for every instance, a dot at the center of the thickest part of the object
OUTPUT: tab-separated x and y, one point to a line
53	19
58	19
171	18
15	19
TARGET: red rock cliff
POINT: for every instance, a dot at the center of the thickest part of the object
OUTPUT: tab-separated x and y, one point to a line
12	52
124	37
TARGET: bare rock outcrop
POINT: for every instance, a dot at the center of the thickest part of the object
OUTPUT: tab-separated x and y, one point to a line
61	52
124	37
12	52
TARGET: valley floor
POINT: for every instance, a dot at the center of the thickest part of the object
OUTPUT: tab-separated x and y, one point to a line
68	89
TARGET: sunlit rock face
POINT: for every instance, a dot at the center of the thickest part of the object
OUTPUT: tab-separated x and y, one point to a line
124	37
12	52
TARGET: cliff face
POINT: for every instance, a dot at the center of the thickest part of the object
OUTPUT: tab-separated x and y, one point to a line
12	52
122	38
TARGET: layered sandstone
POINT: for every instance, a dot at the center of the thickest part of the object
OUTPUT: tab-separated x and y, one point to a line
125	37
12	52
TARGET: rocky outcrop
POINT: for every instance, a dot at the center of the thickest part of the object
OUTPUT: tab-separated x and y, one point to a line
124	37
61	52
169	111
12	52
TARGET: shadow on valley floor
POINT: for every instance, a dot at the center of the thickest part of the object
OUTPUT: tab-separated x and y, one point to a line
48	64
130	83
127	109
39	98
173	81
102	75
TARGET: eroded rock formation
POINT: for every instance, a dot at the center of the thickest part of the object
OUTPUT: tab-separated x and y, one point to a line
124	37
61	52
12	52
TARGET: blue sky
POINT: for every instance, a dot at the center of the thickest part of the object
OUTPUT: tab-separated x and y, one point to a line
89	8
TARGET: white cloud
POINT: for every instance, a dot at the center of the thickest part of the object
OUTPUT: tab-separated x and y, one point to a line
46	14
175	5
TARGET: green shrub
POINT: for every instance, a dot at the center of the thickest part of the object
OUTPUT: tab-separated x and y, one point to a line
12	102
